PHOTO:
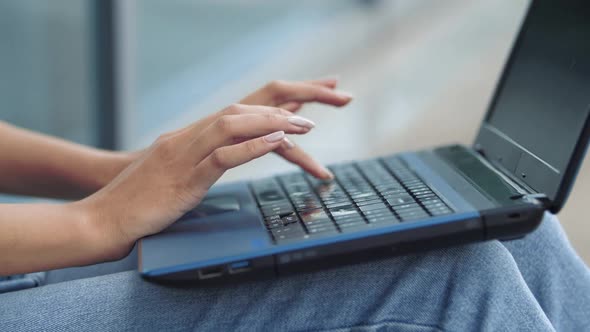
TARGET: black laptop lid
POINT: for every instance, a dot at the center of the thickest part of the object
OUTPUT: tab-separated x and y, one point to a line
537	126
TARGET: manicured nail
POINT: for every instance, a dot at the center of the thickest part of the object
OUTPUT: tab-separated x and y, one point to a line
345	94
288	144
327	174
301	121
274	137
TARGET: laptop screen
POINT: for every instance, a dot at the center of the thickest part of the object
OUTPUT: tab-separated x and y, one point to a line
543	99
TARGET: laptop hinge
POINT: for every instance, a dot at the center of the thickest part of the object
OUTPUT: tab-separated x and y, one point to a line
525	192
479	150
541	198
503	173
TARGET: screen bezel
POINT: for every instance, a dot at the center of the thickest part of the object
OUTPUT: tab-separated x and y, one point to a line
520	164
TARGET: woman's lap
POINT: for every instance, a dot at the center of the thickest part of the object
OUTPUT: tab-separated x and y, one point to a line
555	274
473	287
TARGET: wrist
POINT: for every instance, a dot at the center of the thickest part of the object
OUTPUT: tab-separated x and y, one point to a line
106	165
100	231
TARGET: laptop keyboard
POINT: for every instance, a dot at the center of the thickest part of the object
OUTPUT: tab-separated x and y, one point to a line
362	196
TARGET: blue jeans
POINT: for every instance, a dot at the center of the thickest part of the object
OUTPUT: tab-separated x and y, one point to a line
534	284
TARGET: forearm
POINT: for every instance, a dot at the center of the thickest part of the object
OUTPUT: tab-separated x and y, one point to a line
40	165
40	237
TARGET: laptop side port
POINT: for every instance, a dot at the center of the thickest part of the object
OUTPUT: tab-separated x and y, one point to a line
512	222
239	267
211	272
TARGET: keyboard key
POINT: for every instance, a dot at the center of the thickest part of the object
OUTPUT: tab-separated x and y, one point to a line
356	190
373	197
369	202
422	197
334	199
439	211
433	202
270	196
375	206
277	210
333	196
420	191
311	215
351	223
392	191
406	206
412	215
301	207
362	195
376	210
292	178
341	204
399	200
343	210
291	219
318	224
296	187
351	216
408	210
390	219
317	221
378	213
276	216
324	229
291	231
274	224
300	194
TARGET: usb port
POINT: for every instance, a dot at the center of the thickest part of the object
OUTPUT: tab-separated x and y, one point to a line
239	267
211	272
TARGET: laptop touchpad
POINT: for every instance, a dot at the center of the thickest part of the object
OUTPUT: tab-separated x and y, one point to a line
226	223
213	206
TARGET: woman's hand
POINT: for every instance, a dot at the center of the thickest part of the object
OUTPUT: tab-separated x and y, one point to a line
175	173
292	96
287	97
155	187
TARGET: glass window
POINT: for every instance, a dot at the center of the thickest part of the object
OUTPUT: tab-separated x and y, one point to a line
46	67
187	51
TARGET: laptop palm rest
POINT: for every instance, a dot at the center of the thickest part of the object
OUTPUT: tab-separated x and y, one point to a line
225	224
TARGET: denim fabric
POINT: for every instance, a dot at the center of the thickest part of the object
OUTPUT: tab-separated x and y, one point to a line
72	273
534	284
555	274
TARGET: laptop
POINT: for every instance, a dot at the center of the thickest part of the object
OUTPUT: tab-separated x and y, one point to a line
523	162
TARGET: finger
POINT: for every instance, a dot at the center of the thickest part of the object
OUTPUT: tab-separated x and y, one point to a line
296	155
230	129
237	109
208	171
291	106
282	91
196	128
327	82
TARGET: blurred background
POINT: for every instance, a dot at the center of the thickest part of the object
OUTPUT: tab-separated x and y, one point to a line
116	74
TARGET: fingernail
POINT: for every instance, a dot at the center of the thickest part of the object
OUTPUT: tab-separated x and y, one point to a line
345	94
328	175
274	137
288	144
301	121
